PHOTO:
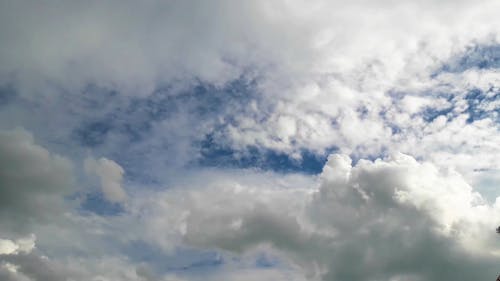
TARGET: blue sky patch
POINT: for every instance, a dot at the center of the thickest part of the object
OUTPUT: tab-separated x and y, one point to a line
96	203
182	259
480	57
213	155
266	261
7	94
478	104
431	113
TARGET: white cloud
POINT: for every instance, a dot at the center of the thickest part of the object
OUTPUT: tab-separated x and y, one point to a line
22	245
384	220
7	247
111	177
323	70
389	219
357	76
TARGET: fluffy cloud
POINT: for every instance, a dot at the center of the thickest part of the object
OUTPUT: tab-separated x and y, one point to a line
359	88
135	51
32	181
393	219
155	85
18	263
110	175
25	245
21	261
220	40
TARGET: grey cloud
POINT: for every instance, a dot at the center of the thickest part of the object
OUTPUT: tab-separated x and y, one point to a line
385	220
33	181
7	275
323	74
33	186
131	47
318	86
35	267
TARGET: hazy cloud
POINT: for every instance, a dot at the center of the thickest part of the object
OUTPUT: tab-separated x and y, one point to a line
160	90
110	175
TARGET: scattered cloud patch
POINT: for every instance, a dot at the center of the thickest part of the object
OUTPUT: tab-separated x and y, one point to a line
223	116
110	176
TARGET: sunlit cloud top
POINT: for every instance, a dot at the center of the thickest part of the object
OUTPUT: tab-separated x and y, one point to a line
224	140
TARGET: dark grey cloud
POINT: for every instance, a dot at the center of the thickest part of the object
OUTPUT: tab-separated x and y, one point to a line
33	181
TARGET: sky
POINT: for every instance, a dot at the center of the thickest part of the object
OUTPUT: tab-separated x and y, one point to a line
249	140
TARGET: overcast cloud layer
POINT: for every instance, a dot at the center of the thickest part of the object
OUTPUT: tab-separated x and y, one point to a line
257	140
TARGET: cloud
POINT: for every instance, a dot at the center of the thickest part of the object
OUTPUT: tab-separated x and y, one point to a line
19	263
33	181
173	48
110	175
360	88
255	275
23	245
33	266
392	219
158	84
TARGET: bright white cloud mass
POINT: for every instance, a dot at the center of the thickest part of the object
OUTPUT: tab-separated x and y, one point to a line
257	140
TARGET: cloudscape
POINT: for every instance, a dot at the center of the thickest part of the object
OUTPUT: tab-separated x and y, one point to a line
249	140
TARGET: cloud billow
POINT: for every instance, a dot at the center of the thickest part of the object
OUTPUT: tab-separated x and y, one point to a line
393	219
33	181
289	140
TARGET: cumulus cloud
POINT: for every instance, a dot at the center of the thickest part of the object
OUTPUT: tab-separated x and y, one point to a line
22	245
33	181
155	85
110	175
19	263
34	266
392	219
358	88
